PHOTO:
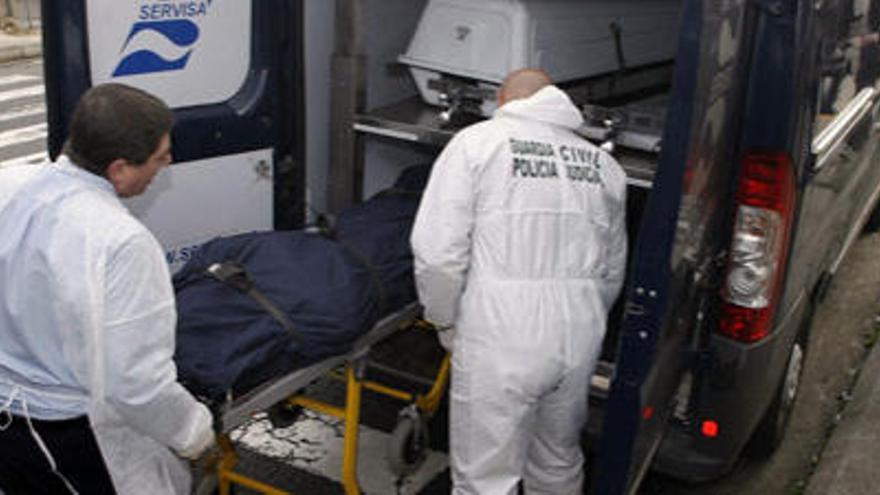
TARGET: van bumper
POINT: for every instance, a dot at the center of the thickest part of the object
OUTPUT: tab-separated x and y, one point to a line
681	459
734	392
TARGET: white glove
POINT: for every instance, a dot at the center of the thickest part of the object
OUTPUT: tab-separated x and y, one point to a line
204	442
446	336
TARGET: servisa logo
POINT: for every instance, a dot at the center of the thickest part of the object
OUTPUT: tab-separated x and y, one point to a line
162	38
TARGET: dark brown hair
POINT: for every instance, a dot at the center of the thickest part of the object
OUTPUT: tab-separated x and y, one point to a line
113	121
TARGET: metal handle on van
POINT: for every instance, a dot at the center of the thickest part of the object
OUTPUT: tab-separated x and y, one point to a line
832	137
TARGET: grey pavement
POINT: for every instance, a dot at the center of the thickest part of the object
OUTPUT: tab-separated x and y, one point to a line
15	46
849	463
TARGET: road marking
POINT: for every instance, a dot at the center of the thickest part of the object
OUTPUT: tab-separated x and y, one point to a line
23	111
17	78
34	159
26	92
23	135
314	443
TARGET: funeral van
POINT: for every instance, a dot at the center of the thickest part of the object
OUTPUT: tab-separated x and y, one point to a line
748	131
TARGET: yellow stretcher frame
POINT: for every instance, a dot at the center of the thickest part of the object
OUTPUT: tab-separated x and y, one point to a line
355	365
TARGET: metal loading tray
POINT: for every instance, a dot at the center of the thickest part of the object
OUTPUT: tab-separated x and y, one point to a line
411	120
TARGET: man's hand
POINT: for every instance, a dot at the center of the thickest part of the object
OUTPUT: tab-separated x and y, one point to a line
445	333
206	441
446	336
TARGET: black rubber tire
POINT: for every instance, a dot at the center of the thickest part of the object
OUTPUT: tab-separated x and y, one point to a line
407	446
771	430
873	223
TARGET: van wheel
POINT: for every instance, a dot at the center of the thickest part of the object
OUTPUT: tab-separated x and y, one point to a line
768	435
873	223
408	444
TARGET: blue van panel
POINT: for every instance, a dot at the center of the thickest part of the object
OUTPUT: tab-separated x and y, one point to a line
266	112
623	443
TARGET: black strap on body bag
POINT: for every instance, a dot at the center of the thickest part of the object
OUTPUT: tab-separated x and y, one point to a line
234	275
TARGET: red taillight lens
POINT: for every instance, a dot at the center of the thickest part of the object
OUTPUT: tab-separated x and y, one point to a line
709	429
759	246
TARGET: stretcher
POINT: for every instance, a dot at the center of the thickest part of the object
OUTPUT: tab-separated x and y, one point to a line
264	315
288	389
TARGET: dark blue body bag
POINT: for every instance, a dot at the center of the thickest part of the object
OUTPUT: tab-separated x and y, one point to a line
332	287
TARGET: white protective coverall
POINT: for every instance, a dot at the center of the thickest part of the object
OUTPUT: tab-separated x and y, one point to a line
87	322
520	244
13	177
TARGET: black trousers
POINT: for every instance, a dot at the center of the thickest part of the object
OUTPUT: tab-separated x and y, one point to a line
25	470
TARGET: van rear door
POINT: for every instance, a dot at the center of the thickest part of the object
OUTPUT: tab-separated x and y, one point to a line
675	265
228	70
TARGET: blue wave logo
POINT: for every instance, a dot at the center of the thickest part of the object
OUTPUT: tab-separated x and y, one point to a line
181	34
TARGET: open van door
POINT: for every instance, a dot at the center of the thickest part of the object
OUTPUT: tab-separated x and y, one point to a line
674	273
229	70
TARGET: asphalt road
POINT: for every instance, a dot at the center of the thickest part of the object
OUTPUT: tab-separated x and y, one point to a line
23	129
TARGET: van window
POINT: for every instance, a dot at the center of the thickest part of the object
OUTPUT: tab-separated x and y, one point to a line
850	58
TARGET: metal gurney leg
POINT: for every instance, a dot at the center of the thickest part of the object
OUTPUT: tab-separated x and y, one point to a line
226	474
351	415
287	388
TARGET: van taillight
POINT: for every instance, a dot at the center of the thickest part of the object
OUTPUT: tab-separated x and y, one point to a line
759	246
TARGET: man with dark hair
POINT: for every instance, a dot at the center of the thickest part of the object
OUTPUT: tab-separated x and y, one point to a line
89	399
520	247
116	121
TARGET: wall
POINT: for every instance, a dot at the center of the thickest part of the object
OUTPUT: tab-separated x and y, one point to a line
389	26
318	41
25	14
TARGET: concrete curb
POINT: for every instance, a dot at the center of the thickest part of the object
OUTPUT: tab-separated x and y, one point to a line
29	49
849	461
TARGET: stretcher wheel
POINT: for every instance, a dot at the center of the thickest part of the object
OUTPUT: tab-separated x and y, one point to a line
408	445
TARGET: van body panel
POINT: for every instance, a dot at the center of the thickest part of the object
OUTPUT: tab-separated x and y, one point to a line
714	76
627	442
735	379
238	149
735	383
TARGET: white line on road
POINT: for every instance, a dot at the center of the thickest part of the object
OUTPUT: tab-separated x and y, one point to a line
17	78
23	135
33	159
25	92
23	111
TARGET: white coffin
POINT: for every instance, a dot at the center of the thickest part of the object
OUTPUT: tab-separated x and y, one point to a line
484	40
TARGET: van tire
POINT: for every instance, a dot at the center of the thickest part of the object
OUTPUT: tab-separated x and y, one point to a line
770	431
873	223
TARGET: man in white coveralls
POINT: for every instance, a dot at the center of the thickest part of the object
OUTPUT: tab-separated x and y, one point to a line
520	251
89	399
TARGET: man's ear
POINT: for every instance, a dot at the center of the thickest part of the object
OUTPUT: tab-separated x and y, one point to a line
117	174
500	98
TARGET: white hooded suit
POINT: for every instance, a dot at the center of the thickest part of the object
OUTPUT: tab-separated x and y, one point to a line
87	322
520	245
